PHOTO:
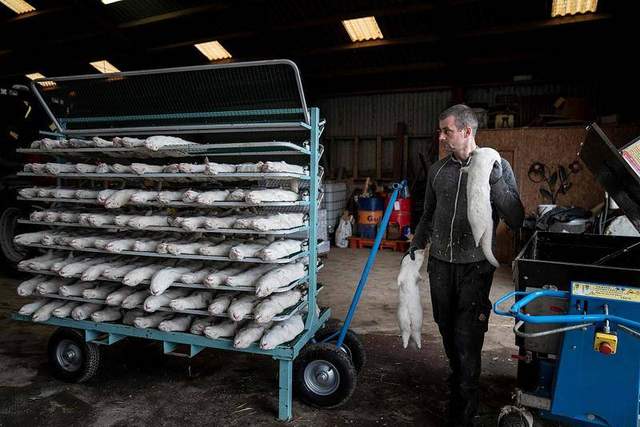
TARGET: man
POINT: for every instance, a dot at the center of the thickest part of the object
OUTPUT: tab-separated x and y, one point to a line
460	276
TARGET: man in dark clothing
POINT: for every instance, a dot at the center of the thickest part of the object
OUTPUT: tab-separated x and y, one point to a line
459	275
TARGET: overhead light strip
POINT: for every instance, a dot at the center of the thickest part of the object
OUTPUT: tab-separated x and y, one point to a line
35	76
104	66
18	6
362	29
213	50
572	7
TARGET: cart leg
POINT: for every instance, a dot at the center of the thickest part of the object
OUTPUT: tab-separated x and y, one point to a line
285	379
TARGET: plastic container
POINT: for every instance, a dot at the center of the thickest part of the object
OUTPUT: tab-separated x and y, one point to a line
370	210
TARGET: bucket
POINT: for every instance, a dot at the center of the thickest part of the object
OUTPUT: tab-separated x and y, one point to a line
370	211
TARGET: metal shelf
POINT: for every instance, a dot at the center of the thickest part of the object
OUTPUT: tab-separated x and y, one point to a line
278	148
182	285
174	204
172	229
287	313
287	260
235	176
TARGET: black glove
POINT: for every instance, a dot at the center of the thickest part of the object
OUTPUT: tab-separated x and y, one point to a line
496	172
411	253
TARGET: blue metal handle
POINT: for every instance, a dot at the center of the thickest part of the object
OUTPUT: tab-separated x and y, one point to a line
515	311
372	255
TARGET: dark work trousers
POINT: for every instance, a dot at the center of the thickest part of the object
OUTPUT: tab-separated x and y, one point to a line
461	309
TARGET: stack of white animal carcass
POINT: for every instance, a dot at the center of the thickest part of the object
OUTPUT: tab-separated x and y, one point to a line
175	259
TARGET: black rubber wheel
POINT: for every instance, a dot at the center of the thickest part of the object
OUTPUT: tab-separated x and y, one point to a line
71	358
11	253
352	345
513	419
323	376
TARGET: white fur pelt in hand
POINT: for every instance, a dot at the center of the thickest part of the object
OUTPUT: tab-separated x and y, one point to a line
226	328
479	199
282	332
270	307
250	334
176	324
409	305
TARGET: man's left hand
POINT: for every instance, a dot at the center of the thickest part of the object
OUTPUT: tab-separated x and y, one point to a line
496	172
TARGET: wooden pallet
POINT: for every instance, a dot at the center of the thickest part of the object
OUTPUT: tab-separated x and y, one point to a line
395	245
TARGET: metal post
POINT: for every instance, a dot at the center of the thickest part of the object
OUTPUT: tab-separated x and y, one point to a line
313	216
367	268
285	380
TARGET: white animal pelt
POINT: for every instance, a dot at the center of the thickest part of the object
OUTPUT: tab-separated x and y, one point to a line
220	303
130	316
270	307
176	324
44	313
250	334
100	292
198	325
250	276
241	307
278	278
282	332
271	195
195	301
247	249
409	305
219	277
28	287
280	249
151	321
85	310
65	310
135	299
116	297
75	290
108	314
226	328
154	302
282	167
32	307
479	199
279	221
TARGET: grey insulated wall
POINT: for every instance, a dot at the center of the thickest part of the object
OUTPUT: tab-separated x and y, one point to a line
372	115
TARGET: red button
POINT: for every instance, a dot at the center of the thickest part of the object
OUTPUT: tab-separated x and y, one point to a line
606	348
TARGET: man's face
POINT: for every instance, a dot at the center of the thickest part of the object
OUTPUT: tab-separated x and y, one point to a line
455	140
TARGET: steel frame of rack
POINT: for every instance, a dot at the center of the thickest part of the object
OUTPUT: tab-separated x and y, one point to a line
110	333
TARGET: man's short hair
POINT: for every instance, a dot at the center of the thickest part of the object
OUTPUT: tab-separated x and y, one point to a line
463	115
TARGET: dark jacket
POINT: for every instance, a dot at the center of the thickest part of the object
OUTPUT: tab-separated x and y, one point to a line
444	221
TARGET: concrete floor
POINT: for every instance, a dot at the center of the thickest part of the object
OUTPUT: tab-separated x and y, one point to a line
138	385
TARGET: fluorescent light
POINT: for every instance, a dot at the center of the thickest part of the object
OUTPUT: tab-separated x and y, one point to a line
213	50
104	66
109	1
363	29
18	6
571	7
34	76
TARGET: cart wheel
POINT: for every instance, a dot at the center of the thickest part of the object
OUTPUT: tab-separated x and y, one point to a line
352	345
513	416
10	252
323	376
71	358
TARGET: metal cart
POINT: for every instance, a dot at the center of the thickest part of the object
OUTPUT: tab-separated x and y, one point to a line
254	109
577	313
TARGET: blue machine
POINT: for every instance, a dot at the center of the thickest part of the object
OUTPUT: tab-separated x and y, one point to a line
596	379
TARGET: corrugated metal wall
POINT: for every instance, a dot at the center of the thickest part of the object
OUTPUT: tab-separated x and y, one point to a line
372	115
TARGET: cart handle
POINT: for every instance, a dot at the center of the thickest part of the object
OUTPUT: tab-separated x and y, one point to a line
516	311
518	332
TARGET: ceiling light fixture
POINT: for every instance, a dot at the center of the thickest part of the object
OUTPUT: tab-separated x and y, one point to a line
104	66
18	6
571	7
35	76
213	50
362	29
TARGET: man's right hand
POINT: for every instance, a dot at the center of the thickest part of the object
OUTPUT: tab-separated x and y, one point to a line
411	253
